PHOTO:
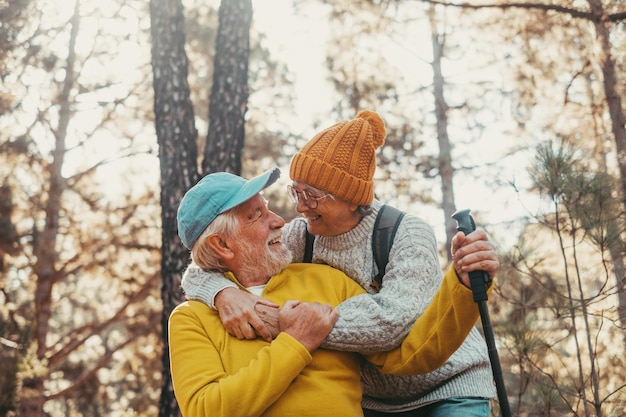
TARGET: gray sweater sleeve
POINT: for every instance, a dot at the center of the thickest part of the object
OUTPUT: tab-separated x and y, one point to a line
203	286
378	322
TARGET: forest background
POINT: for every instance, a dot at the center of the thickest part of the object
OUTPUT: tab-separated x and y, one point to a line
110	111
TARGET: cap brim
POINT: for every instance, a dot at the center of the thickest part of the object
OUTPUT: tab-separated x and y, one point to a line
252	188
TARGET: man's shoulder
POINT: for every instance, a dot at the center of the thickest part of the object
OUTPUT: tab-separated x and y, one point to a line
312	269
322	276
193	308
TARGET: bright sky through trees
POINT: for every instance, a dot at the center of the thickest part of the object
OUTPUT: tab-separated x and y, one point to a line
301	41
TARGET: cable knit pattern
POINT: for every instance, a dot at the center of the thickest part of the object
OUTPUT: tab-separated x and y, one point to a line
341	159
378	322
203	286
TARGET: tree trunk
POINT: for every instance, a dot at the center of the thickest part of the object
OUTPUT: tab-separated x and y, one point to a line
446	170
45	243
229	92
176	135
618	124
613	98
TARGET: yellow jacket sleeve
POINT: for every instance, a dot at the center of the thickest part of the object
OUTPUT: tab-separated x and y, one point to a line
436	334
202	383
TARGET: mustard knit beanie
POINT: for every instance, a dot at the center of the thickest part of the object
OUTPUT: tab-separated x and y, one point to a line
341	159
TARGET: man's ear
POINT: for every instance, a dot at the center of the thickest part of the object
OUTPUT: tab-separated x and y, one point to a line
220	246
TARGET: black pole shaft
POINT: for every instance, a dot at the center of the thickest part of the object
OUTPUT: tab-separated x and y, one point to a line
479	281
496	368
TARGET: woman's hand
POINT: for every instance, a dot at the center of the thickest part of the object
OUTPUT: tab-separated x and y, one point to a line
308	323
474	252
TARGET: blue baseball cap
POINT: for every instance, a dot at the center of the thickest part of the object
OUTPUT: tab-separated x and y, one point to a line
212	196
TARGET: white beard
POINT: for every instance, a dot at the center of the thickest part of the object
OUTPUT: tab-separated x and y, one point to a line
265	262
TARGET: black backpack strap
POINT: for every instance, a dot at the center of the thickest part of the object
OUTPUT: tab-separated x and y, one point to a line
385	228
308	247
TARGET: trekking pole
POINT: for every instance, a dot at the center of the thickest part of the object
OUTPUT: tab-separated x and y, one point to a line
479	281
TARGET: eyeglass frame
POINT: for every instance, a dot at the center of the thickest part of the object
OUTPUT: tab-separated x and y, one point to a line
309	200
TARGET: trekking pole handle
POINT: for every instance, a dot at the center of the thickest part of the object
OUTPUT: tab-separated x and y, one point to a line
479	280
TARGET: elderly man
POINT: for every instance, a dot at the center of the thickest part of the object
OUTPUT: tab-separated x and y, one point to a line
226	223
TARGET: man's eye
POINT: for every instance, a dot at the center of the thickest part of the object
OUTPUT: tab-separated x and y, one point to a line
257	214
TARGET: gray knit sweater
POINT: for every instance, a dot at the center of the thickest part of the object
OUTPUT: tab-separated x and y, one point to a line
378	322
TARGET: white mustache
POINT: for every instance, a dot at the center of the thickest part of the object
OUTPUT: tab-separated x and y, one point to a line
276	237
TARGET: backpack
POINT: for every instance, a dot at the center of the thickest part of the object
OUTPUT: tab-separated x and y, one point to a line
385	227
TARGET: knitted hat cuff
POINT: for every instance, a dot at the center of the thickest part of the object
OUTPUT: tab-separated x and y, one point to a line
326	177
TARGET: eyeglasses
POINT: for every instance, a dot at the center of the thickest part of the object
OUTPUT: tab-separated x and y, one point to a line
309	200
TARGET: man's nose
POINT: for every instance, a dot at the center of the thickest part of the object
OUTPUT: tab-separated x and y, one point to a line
277	221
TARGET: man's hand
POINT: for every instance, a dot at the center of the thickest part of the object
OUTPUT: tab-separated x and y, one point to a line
269	315
473	252
308	323
236	309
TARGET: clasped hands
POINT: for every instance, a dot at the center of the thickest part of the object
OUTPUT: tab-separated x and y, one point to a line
245	315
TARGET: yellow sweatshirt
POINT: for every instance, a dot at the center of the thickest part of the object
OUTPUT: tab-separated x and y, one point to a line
215	374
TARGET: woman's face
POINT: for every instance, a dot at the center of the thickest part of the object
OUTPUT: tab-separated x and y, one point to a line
331	217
